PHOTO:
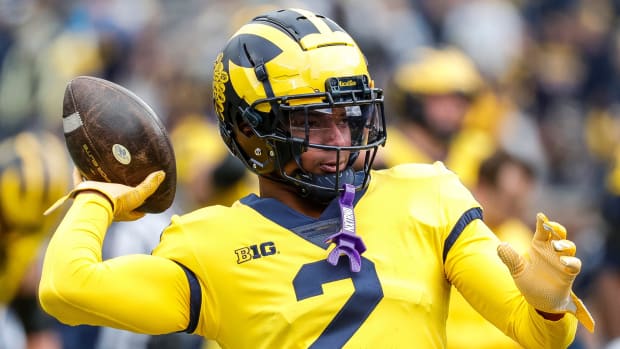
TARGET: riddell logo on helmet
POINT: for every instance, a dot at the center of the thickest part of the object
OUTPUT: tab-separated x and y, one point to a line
348	83
246	254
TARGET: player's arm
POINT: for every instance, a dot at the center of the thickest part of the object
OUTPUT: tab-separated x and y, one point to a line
140	293
473	266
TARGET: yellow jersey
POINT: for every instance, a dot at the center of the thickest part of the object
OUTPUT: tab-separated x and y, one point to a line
255	275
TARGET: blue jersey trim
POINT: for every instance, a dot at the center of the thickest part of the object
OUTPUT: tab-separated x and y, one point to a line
466	218
195	299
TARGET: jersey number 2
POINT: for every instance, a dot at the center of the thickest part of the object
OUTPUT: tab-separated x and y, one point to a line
368	292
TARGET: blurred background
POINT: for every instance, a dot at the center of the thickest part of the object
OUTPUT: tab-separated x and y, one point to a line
473	83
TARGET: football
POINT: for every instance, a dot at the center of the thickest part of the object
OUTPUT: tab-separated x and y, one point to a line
114	136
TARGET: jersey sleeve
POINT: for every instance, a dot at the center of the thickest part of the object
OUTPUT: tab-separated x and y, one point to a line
139	293
473	267
190	242
179	246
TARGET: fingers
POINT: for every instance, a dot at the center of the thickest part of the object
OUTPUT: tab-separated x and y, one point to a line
541	232
546	229
125	206
150	184
564	247
511	258
557	230
566	250
571	264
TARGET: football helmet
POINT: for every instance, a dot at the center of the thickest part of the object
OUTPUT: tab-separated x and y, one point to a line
281	80
434	71
445	71
34	172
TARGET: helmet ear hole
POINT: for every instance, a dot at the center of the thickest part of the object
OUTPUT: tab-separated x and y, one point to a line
246	129
243	125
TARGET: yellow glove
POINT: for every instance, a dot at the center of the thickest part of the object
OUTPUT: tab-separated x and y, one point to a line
124	199
545	275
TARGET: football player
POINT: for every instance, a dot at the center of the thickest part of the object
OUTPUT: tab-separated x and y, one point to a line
326	255
34	171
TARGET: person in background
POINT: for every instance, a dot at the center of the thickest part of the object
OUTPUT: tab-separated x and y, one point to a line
606	279
206	171
34	170
432	94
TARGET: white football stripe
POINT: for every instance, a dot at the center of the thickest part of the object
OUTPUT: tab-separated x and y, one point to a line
71	122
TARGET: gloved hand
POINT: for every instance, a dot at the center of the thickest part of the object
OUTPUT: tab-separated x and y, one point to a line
124	199
545	275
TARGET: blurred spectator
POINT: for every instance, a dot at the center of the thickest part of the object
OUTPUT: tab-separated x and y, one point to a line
430	97
207	173
564	75
490	32
34	172
606	279
385	31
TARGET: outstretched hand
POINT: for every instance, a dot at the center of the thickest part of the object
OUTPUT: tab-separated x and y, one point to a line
545	275
124	199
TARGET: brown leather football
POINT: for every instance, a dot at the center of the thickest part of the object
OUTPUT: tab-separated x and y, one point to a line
113	136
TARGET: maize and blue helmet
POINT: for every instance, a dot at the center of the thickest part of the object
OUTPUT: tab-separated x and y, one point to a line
274	74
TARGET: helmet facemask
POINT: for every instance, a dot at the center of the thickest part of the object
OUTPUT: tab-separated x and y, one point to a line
353	112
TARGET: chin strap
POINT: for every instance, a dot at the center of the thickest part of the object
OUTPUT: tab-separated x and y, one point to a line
347	242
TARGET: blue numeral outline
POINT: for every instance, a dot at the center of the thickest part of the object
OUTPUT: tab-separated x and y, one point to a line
368	293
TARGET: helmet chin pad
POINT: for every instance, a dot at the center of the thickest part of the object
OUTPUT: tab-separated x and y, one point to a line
315	187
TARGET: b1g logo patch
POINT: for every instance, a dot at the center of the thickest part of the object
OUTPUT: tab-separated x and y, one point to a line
246	254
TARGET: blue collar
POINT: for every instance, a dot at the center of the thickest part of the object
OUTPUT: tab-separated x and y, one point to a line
315	230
